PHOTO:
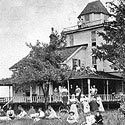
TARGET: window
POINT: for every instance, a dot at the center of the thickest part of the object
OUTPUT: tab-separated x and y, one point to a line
87	17
93	36
94	61
76	62
71	39
93	43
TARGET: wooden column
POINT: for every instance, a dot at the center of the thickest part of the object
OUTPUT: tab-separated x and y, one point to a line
122	86
68	91
9	92
89	88
81	86
107	87
31	92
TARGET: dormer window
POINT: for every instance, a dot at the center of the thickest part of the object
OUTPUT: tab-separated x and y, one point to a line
87	18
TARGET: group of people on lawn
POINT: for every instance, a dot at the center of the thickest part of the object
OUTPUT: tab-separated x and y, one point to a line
89	106
31	114
92	107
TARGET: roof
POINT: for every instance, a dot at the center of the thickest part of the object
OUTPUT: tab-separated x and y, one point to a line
6	81
19	63
94	75
68	51
94	7
64	53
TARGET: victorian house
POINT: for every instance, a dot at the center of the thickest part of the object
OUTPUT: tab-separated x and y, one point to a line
81	39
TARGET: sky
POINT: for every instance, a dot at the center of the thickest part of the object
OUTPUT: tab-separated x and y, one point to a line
24	21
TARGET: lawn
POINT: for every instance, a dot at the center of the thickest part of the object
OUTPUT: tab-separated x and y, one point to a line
110	118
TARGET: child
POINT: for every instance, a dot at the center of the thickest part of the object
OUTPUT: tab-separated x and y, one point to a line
98	118
71	118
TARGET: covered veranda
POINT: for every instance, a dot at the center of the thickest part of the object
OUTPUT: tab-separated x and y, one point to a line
108	86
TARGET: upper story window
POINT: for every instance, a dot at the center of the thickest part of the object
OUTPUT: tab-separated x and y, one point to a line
93	36
87	17
76	63
94	62
71	39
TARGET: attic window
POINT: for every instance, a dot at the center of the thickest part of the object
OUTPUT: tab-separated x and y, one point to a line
87	17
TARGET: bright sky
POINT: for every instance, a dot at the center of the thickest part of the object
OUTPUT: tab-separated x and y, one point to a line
24	21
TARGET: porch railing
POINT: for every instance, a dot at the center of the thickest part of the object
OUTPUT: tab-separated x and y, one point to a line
52	98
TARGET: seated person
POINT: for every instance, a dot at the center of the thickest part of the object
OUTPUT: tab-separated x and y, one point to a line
71	118
2	113
51	113
31	111
39	115
98	118
22	113
10	113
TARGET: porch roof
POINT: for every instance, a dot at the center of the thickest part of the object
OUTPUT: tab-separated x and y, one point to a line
5	82
94	75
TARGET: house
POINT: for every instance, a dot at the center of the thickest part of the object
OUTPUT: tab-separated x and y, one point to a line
77	54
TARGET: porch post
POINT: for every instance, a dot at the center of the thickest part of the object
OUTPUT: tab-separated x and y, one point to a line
9	92
122	86
68	91
31	94
81	86
107	85
89	89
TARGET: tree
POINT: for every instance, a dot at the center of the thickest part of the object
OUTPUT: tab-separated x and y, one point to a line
113	49
41	66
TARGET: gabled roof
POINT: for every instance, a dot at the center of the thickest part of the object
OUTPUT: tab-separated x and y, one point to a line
68	51
94	7
25	59
64	53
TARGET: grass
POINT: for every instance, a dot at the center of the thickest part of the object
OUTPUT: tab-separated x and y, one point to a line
110	118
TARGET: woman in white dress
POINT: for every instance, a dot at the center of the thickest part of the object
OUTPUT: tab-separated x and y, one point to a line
73	107
52	113
99	101
85	101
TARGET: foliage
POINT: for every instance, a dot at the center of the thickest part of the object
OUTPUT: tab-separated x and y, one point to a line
114	35
41	66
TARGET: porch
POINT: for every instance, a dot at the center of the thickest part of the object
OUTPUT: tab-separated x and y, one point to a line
51	99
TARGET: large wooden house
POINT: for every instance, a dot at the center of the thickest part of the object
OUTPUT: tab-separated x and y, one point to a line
81	39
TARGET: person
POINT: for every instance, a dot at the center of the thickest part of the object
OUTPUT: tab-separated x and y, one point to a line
93	90
93	104
39	115
31	111
51	113
55	95
10	113
64	95
98	118
85	102
78	92
71	118
73	107
2	113
99	101
22	113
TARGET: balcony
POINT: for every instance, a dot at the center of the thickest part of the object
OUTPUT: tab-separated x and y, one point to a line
84	25
52	99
